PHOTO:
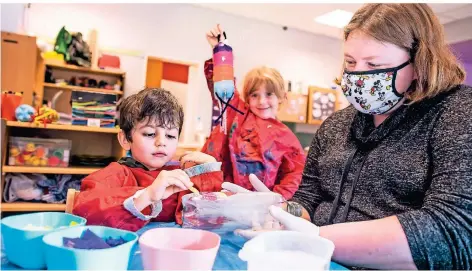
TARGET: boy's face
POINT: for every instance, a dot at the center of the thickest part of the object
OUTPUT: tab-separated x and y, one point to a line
263	103
151	145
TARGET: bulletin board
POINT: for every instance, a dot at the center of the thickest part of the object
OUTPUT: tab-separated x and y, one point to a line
322	103
294	108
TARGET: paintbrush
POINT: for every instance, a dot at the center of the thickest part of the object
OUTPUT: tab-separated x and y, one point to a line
200	169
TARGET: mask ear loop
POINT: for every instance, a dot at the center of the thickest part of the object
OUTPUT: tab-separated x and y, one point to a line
413	50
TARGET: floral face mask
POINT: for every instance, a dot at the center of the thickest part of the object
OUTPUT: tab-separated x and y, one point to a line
372	92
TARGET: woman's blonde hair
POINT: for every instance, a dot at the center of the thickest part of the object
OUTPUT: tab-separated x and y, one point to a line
260	76
415	28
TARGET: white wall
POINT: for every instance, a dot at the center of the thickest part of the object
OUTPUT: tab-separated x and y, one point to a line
177	31
458	31
11	17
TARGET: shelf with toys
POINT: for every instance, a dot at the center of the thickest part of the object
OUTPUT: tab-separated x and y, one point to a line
92	145
44	153
60	84
63	66
50	170
86	89
65	126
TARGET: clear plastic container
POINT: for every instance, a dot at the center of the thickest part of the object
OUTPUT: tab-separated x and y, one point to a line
39	152
238	211
287	250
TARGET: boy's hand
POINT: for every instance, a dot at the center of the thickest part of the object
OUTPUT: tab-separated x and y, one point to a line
212	35
168	183
197	158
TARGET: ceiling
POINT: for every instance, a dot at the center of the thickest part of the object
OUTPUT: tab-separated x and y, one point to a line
301	16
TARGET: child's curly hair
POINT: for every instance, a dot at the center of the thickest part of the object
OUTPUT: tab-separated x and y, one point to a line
152	105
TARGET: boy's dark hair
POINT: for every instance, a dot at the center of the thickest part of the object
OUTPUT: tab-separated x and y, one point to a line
154	104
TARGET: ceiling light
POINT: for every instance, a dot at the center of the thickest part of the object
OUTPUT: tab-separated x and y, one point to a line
338	18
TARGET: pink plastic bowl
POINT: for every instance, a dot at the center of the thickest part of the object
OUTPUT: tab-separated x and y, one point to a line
178	249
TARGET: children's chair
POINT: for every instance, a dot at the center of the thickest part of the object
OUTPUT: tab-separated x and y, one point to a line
71	195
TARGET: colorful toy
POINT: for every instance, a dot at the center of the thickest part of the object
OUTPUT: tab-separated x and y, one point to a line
14	151
45	115
39	152
28	152
118	85
24	112
223	76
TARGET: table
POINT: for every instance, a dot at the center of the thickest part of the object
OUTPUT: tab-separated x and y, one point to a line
226	259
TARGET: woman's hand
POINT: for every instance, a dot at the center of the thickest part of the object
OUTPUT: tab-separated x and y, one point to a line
281	220
278	219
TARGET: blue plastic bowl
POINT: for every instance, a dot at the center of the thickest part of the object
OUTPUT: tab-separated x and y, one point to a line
59	257
24	247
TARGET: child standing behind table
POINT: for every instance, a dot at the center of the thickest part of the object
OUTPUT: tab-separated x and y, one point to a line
256	142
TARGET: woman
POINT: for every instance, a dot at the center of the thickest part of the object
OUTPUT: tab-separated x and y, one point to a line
389	179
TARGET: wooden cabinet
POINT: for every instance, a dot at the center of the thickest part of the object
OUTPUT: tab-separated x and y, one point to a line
19	55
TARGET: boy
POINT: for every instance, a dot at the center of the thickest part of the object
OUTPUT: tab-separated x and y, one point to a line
135	190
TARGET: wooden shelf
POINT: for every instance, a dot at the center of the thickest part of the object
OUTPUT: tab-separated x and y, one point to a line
82	69
77	88
32	206
65	127
50	170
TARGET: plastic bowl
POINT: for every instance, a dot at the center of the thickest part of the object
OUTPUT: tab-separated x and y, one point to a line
59	257
178	249
283	250
24	247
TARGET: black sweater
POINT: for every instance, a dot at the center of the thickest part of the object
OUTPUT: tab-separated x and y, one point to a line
416	165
